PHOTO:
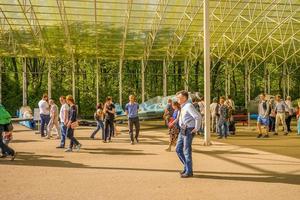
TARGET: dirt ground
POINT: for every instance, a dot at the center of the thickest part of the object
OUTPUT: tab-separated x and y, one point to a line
240	167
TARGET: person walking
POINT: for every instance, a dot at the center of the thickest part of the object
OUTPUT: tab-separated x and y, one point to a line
280	109
44	114
5	126
53	119
298	118
99	116
70	125
131	110
263	116
173	126
223	113
214	107
272	115
189	122
201	104
289	113
109	112
63	116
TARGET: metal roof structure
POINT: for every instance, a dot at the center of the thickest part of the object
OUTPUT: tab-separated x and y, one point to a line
252	30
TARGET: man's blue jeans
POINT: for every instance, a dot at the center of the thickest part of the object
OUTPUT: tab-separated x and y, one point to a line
44	122
63	130
223	128
184	150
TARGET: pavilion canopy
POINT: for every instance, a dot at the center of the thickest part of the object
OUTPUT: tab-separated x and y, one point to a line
240	30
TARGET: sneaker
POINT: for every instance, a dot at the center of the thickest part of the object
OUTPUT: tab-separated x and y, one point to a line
13	156
132	142
78	147
266	136
286	134
186	175
220	137
68	150
137	140
60	147
275	134
259	135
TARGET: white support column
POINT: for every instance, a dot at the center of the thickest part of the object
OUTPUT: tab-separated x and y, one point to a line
226	80
206	73
284	82
120	80
265	78
164	78
143	79
24	82
1	63
73	77
288	81
269	81
49	80
97	81
186	74
249	91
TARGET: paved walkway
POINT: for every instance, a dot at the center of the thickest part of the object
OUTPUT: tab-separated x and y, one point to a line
119	170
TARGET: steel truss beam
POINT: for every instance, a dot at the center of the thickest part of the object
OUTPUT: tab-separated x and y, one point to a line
234	39
249	52
196	48
126	23
11	39
33	22
70	49
189	14
155	26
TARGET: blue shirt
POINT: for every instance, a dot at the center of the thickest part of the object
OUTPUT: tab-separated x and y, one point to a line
189	117
132	109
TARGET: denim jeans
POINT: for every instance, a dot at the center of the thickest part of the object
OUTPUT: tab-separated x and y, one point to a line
44	122
70	135
184	150
136	123
298	126
100	125
109	128
63	131
223	128
271	124
6	150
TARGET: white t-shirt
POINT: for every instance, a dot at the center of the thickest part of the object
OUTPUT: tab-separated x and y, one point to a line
64	107
44	107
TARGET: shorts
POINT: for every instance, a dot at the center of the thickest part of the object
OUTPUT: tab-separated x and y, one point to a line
263	120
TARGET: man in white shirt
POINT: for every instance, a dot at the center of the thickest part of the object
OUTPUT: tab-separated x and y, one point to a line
44	113
63	116
189	122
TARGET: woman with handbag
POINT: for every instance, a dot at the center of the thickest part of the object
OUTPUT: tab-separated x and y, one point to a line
72	124
5	126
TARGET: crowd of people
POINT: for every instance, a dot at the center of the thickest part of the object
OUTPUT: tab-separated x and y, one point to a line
273	112
183	117
49	118
221	110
